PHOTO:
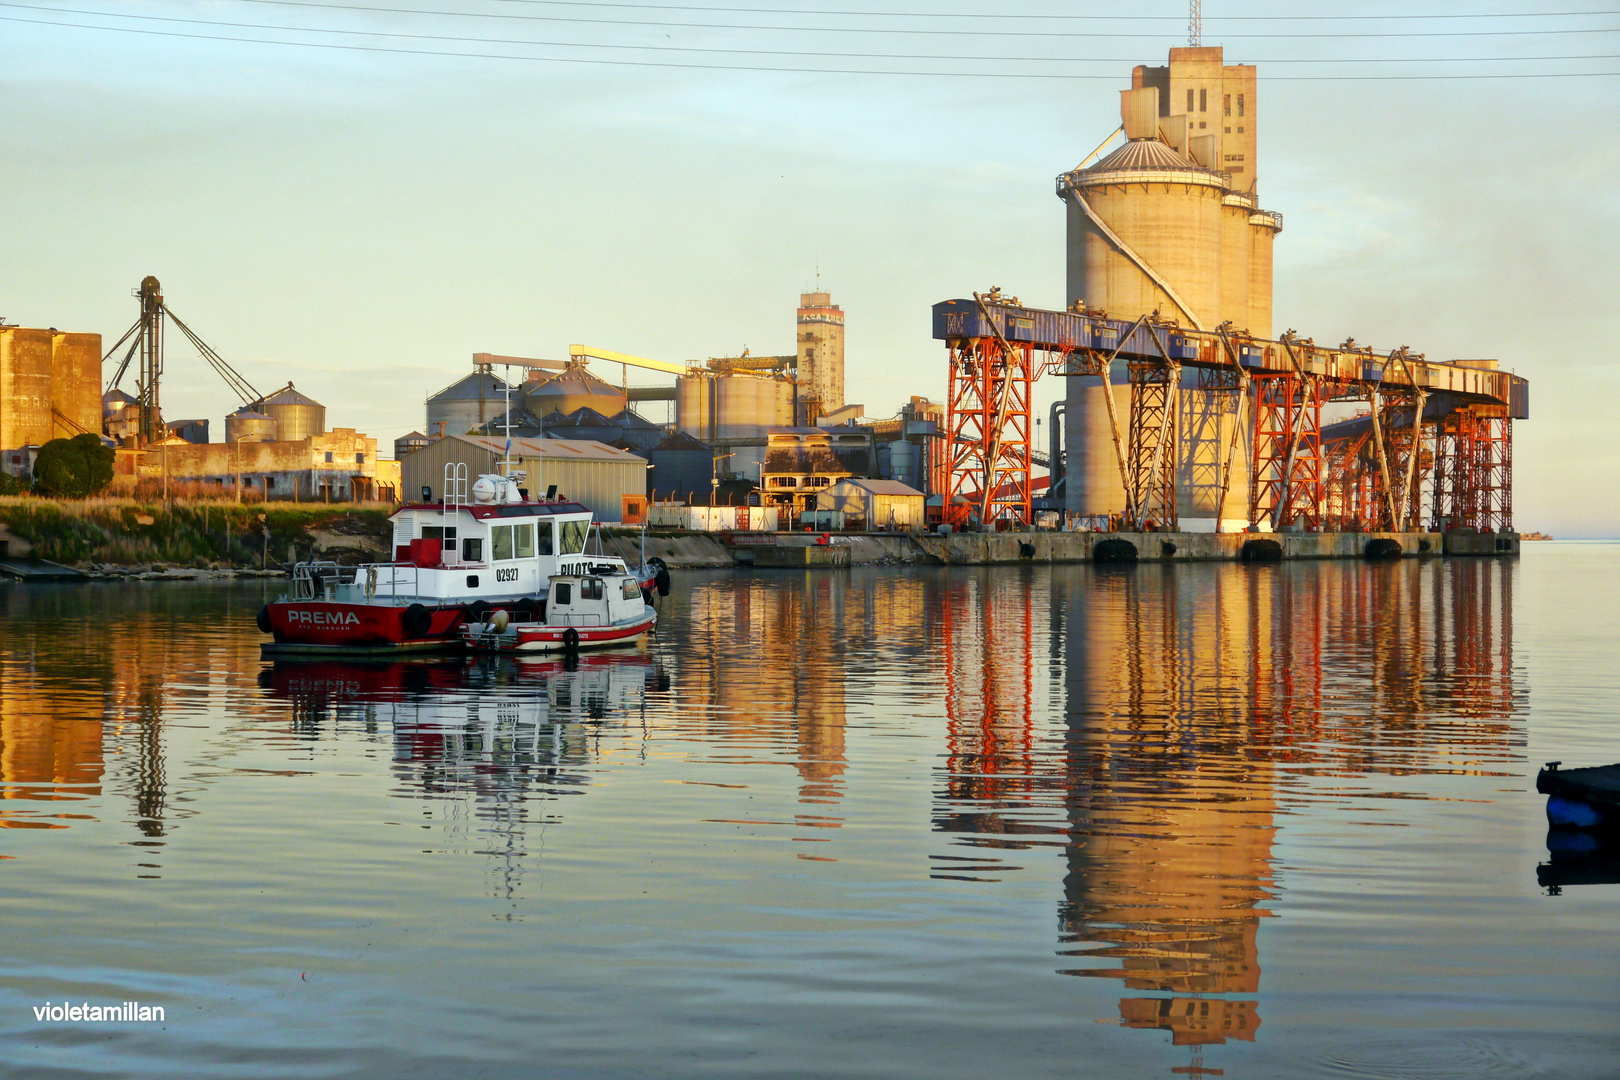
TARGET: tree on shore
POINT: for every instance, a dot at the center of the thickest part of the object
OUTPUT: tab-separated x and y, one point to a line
73	468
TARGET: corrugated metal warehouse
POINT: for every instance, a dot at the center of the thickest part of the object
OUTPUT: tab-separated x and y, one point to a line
597	476
879	504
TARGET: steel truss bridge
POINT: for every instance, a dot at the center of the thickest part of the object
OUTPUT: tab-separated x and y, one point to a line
1444	428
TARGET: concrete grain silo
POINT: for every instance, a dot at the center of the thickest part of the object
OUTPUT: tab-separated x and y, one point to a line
1169	223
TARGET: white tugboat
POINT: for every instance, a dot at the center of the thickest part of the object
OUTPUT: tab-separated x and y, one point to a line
454	562
594	603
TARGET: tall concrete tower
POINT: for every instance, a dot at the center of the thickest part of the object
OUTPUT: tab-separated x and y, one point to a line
821	355
1167	223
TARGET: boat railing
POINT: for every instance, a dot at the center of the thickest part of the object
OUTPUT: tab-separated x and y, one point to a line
570	618
389	580
317	580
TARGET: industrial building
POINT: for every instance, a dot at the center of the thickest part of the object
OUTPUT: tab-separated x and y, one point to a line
820	357
598	477
886	505
50	388
334	466
1181	412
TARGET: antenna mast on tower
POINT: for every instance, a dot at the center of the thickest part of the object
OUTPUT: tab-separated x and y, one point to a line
1195	23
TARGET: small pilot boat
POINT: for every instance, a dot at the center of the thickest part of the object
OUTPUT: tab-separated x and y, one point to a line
593	604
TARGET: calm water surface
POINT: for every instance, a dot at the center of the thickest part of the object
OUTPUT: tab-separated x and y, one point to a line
1024	822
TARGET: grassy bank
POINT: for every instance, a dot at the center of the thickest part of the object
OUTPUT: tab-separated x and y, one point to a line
188	532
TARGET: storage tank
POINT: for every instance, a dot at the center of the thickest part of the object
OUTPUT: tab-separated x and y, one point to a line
1167	209
1264	225
1237	243
574	387
297	415
469	403
247	425
733	406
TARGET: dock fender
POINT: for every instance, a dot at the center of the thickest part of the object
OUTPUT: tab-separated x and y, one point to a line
417	620
1114	550
264	620
570	639
661	578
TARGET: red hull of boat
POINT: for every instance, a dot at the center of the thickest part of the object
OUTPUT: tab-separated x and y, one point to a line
328	623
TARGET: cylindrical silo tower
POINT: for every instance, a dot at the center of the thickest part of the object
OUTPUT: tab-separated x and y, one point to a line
246	425
297	416
468	403
1168	223
573	388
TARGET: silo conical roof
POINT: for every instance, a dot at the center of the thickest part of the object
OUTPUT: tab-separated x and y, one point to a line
287	396
1146	156
473	386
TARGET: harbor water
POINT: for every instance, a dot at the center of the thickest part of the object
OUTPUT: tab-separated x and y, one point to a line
1059	821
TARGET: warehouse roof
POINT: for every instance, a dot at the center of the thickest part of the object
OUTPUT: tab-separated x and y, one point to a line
555	449
881	487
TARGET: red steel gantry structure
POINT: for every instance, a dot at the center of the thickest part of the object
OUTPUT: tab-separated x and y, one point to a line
1444	426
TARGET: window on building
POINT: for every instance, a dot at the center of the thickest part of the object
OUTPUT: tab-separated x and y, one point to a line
500	542
1189	99
1226	104
269	483
1228	131
472	549
523	541
1240	104
1240	130
1203	101
1203	123
359	459
329	457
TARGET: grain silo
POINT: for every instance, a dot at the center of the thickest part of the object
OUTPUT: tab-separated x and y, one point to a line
574	387
297	416
468	403
1167	223
248	425
717	408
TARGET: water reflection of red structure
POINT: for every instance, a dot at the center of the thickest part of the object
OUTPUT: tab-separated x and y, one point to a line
1197	701
987	634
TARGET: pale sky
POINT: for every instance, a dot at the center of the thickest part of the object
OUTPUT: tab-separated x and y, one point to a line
360	221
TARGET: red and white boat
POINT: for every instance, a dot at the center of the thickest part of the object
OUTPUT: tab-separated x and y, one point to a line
602	607
454	561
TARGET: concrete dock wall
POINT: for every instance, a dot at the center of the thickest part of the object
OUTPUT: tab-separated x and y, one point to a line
982	549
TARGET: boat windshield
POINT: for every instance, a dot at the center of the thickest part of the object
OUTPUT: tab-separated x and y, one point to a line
571	536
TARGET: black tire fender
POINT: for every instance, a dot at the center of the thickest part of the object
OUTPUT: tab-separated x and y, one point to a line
478	611
662	581
264	619
417	620
570	639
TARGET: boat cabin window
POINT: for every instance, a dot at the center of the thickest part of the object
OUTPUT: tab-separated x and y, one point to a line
543	537
512	541
472	549
631	590
572	540
562	594
590	589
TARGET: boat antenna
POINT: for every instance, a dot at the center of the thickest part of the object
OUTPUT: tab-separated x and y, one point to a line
506	456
